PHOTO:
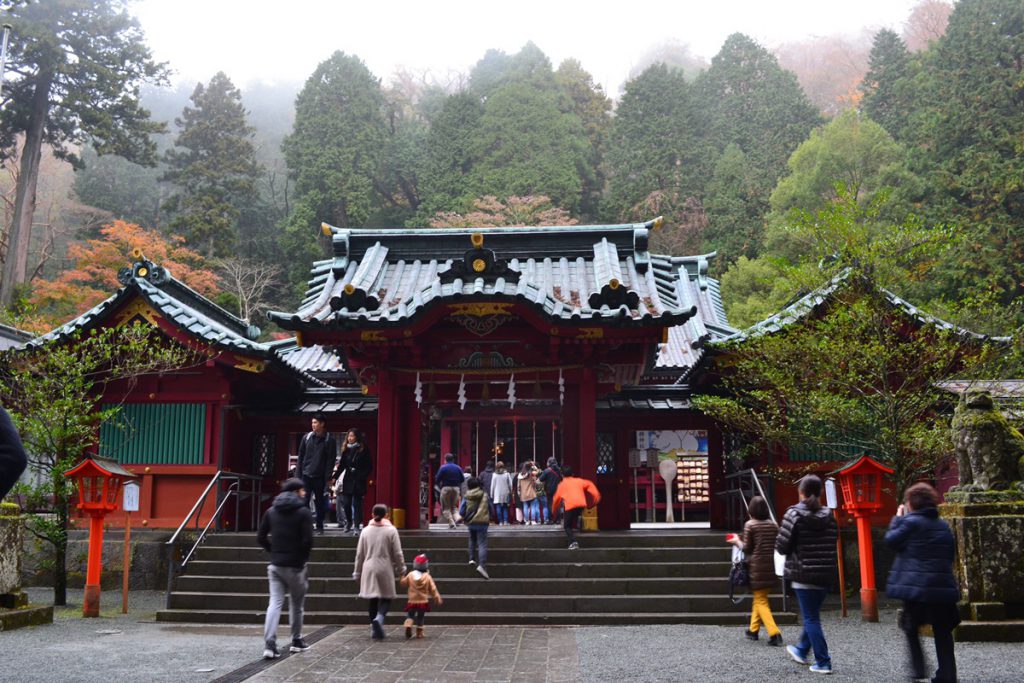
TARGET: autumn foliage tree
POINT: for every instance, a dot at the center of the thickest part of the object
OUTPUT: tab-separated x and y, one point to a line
93	275
491	212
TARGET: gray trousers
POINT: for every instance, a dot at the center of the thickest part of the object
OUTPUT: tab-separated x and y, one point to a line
290	580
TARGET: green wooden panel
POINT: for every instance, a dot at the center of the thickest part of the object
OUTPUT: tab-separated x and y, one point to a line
156	434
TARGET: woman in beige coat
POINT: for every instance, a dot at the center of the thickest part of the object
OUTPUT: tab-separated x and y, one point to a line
379	560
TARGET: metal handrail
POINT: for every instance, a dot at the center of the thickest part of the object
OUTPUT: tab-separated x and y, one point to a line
195	512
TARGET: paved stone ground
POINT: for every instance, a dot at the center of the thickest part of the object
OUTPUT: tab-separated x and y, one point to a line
139	649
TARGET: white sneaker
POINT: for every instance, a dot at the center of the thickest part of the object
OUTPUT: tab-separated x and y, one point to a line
271	653
483	572
472	563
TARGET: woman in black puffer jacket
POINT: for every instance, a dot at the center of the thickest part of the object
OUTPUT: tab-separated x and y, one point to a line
922	576
807	537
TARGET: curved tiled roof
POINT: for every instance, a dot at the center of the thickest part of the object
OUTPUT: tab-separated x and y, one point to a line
576	274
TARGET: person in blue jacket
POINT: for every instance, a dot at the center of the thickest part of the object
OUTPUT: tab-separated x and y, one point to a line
922	577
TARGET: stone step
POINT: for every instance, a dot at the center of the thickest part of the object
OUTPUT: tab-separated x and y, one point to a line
459	569
472	584
651	603
1010	631
540	537
497	555
447	617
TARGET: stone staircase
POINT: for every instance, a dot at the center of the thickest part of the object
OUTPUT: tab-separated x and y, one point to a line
633	577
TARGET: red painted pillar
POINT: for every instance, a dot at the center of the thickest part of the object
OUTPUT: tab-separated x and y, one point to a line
868	593
387	428
587	424
91	603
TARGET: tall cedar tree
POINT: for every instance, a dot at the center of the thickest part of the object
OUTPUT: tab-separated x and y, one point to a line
214	169
76	67
334	154
448	158
653	149
593	108
885	85
971	132
752	102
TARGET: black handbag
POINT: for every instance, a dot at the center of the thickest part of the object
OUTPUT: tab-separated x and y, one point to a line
739	575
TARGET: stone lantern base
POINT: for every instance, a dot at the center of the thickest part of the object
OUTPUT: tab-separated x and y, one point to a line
989	531
15	611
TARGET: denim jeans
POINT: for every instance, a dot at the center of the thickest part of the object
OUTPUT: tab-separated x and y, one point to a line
285	580
353	507
531	510
542	502
478	544
812	636
315	491
502	512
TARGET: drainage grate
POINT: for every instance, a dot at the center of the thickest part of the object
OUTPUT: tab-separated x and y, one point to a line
259	665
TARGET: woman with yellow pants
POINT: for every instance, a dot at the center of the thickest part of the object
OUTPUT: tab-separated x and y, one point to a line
758	545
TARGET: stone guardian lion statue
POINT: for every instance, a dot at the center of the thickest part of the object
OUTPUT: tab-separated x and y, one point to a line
989	451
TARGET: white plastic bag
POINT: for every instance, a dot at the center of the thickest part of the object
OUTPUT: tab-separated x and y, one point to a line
780	564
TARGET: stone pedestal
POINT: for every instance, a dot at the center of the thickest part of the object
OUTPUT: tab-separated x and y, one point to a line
989	531
15	611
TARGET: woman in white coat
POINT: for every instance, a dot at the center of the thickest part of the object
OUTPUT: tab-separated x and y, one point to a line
379	560
501	492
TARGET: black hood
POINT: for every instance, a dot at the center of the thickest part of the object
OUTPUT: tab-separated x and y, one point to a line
288	501
817	519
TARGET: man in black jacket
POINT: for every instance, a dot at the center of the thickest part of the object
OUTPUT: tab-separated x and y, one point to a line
289	525
317	453
12	454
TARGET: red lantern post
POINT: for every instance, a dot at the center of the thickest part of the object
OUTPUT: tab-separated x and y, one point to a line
861	482
99	486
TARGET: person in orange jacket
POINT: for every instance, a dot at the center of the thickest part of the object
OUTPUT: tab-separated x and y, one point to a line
576	494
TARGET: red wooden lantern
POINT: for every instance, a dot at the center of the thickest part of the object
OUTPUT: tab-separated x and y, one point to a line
99	484
861	482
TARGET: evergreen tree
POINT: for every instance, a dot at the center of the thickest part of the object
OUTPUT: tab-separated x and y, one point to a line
593	108
885	85
334	154
971	135
213	166
655	154
78	66
754	103
735	208
129	191
448	158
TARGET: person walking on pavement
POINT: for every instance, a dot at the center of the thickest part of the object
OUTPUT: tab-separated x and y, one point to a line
449	478
476	512
807	537
422	590
922	577
576	494
286	532
12	454
501	492
354	470
379	560
758	546
317	453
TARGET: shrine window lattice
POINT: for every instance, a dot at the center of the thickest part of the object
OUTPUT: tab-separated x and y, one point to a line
605	453
263	454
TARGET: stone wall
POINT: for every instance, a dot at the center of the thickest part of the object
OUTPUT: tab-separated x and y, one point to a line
149	560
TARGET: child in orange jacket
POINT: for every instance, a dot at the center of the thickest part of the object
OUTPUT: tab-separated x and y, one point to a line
576	494
421	590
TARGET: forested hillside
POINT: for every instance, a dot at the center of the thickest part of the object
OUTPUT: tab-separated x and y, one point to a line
740	154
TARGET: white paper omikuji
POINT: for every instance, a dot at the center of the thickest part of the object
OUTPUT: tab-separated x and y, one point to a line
462	392
419	391
512	391
561	388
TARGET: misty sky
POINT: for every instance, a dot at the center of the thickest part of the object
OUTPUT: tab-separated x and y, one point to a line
285	40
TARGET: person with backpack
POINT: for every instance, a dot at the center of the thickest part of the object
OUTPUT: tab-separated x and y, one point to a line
450	478
286	532
551	477
807	537
476	514
922	577
317	452
353	470
758	546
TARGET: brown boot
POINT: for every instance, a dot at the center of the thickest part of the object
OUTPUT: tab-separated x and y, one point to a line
408	628
419	631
